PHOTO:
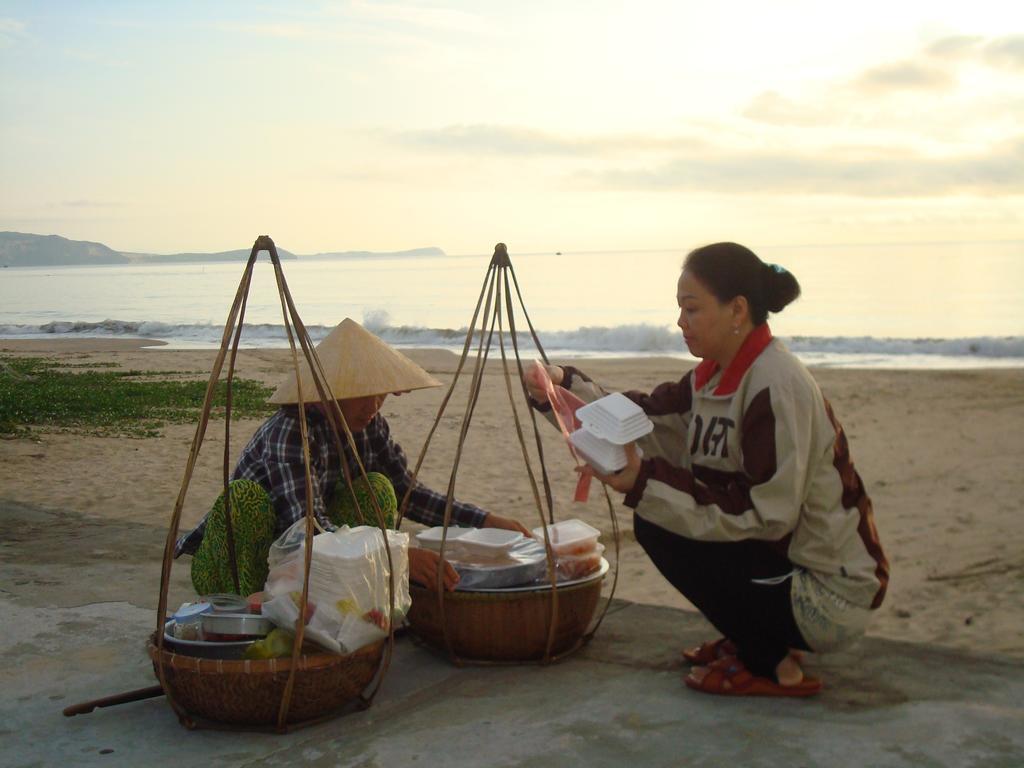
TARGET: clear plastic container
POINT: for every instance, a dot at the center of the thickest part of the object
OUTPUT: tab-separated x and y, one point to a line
186	622
570	537
571	567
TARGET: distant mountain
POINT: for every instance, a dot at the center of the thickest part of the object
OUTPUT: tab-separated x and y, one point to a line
176	258
19	249
413	252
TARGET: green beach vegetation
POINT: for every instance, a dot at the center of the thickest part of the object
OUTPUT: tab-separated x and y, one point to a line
42	394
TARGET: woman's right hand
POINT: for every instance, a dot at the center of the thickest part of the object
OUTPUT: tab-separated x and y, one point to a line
535	383
423	569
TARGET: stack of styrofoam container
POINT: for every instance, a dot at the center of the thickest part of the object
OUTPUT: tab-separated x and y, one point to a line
607	425
575	546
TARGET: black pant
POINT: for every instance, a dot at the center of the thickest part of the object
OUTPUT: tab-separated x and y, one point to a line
716	577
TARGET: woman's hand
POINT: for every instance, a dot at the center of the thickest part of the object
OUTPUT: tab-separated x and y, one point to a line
423	569
507	523
623	480
535	384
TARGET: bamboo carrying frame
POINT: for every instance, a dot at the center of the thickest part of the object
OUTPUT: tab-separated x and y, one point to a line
276	694
477	626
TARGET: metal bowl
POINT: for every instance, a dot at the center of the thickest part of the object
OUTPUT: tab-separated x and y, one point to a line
204	649
227	603
237	625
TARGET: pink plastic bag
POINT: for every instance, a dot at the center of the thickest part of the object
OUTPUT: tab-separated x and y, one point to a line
564	405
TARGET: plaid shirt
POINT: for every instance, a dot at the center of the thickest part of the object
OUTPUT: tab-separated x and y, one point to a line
273	458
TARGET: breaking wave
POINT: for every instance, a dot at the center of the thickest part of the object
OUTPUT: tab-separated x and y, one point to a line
587	340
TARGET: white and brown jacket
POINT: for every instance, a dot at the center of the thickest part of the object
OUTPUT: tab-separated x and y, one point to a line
755	452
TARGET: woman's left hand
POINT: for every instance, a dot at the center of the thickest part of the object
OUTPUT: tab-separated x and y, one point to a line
423	565
623	480
507	523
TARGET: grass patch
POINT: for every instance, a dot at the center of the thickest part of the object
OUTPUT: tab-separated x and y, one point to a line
42	393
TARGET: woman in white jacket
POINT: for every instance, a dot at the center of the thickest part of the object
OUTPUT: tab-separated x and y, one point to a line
746	498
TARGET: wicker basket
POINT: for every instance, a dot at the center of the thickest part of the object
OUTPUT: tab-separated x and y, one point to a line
248	693
505	626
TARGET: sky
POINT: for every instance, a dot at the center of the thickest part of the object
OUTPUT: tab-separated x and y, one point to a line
357	125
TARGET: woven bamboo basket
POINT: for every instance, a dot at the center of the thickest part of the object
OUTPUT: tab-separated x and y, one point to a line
279	693
505	626
248	693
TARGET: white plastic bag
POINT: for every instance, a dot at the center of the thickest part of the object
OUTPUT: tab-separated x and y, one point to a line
348	585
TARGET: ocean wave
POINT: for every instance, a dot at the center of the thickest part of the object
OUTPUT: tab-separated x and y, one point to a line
621	339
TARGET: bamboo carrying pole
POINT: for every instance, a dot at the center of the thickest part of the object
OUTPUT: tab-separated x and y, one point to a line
495	292
295	330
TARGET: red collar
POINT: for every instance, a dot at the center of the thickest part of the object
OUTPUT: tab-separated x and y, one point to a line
752	347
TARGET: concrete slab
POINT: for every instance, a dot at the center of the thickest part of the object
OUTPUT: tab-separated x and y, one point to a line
618	702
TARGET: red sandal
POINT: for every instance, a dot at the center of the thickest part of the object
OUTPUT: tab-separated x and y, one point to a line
709	651
729	677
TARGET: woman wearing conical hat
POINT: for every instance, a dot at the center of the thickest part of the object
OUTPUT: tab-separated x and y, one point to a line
268	486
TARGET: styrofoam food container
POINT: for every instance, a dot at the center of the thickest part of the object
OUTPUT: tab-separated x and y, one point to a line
615	418
489	541
431	537
569	537
618	434
604	456
617	406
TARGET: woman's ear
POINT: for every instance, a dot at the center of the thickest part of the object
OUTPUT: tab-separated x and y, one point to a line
740	309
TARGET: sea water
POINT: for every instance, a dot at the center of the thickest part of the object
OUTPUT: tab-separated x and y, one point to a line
913	305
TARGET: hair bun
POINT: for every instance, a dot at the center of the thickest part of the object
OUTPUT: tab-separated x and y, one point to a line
730	269
779	287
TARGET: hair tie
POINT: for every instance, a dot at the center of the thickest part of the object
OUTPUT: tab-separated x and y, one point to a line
777	269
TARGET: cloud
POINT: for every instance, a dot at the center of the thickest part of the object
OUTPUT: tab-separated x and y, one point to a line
85	203
1005	52
955	46
774	108
616	161
97	57
493	139
856	172
932	69
999	52
903	76
11	31
432	17
522	141
934	65
280	30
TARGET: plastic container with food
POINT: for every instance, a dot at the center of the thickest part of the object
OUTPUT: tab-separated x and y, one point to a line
186	620
569	537
254	602
577	566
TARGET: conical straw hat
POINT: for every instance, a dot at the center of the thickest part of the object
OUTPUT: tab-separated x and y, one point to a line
357	364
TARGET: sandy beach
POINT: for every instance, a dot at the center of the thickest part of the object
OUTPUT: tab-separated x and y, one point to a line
939	452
